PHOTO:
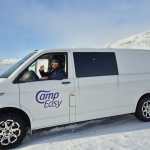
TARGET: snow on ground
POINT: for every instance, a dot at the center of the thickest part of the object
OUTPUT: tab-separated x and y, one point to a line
115	133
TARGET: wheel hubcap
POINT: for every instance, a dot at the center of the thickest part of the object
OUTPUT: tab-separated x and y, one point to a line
9	132
146	109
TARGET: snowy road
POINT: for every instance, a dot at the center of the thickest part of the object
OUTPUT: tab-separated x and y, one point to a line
117	133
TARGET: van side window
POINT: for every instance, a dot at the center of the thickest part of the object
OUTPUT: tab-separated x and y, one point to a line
51	66
88	64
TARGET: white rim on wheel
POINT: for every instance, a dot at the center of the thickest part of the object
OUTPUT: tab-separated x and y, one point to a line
9	132
146	109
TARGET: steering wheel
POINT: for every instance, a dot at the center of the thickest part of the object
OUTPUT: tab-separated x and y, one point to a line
29	76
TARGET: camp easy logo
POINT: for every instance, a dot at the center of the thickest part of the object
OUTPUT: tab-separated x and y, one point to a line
49	99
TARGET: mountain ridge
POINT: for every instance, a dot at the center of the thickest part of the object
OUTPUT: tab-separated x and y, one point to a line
137	41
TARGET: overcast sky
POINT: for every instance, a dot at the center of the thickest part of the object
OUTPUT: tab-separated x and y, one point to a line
26	25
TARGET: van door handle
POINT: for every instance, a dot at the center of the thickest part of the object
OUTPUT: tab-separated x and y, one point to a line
66	82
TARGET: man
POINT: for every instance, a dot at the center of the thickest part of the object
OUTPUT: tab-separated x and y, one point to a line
55	73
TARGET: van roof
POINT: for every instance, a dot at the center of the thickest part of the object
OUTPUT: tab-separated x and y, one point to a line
89	49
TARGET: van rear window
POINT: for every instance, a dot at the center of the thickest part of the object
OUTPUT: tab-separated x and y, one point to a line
88	64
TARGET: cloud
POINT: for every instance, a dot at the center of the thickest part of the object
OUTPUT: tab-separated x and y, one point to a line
38	24
70	27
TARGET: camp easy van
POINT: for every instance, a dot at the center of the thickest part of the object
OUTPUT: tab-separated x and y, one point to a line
88	84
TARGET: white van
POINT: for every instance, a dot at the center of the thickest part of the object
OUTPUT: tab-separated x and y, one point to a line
56	87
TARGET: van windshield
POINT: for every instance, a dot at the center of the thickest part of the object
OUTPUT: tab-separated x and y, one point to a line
10	70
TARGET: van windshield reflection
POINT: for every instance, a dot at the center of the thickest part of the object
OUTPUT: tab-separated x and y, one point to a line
12	68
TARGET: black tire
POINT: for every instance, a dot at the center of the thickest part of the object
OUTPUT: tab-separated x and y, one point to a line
16	127
143	109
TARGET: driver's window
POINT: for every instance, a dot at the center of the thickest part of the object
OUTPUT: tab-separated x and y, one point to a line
51	66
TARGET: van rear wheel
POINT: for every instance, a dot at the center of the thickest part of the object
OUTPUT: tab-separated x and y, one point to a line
143	109
12	130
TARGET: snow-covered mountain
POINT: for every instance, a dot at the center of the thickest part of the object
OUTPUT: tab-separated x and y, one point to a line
138	41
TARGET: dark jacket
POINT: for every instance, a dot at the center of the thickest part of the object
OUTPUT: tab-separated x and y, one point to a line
58	74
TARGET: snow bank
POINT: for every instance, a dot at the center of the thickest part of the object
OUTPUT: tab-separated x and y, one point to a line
116	133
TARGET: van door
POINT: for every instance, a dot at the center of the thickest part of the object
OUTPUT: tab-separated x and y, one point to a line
97	80
47	100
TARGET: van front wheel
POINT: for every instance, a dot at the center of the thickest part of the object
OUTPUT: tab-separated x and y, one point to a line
12	130
143	109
